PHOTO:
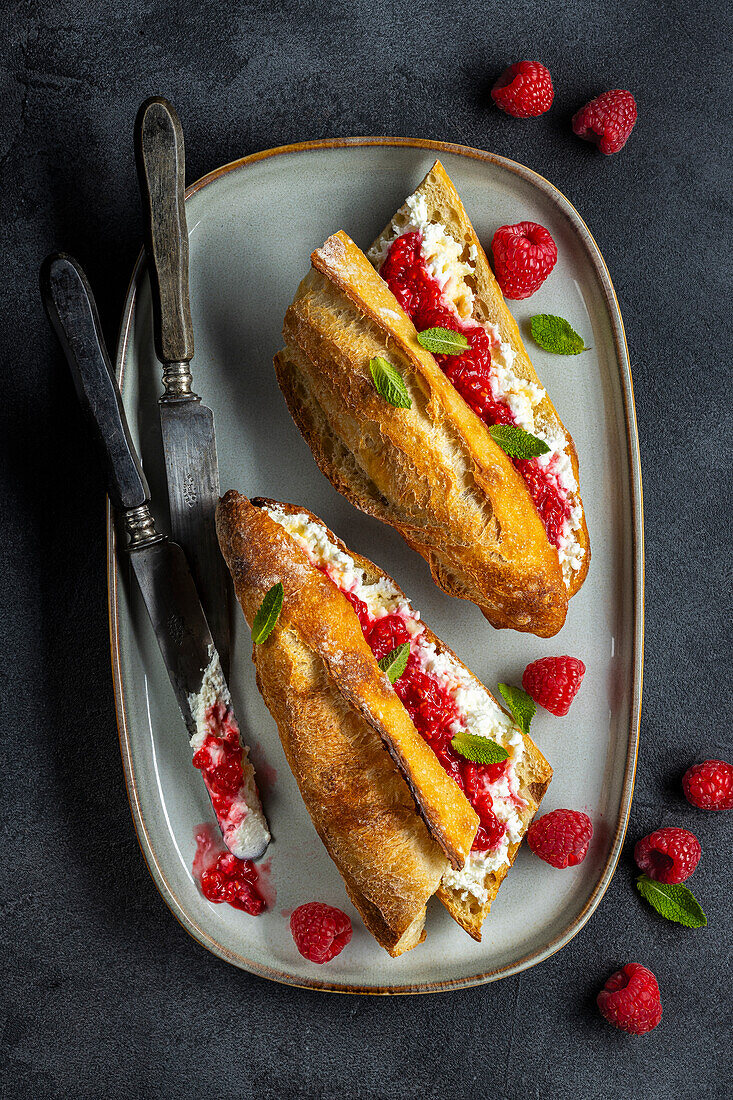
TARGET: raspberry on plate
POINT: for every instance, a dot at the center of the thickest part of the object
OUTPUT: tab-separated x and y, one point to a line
709	785
524	255
553	682
320	931
668	855
524	90
561	838
607	120
630	1000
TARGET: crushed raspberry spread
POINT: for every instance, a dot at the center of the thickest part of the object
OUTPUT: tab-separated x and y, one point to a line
224	878
433	712
220	761
421	298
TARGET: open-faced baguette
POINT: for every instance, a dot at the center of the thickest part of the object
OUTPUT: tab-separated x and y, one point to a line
432	471
453	255
336	713
357	799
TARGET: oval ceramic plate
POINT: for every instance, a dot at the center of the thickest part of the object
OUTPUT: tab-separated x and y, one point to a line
252	226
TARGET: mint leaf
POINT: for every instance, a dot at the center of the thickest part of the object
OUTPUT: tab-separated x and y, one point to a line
395	663
268	614
676	903
479	749
443	341
520	704
556	334
389	383
516	442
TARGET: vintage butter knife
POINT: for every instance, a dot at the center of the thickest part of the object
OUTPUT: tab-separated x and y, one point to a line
160	565
187	425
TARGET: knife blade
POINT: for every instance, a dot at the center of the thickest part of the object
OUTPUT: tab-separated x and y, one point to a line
159	565
187	425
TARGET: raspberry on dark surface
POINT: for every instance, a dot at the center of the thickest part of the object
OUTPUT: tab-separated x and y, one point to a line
668	855
630	1000
709	786
553	682
320	931
607	120
524	255
524	90
561	837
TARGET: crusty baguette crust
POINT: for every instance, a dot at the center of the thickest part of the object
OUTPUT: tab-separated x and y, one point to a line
534	771
432	471
444	206
358	802
336	711
379	927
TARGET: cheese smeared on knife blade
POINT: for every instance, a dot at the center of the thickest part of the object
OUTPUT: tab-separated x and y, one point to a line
224	762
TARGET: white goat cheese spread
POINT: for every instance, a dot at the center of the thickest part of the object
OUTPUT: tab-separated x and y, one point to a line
213	690
481	714
443	259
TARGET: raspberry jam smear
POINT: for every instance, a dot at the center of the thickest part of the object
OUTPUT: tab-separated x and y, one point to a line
222	878
219	759
422	300
435	715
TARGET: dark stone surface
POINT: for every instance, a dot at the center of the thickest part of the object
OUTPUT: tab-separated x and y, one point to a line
105	994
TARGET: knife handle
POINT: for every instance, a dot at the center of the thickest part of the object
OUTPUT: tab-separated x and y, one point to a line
161	169
72	311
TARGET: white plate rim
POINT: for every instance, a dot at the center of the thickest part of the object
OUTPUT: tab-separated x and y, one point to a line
637	533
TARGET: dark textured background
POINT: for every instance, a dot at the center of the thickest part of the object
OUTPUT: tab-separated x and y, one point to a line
106	996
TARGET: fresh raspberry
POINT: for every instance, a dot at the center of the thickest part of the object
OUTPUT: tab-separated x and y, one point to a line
630	1000
553	682
524	255
524	90
561	837
668	855
608	120
320	931
709	785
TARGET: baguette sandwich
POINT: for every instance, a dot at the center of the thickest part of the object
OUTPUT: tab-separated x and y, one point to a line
419	818
509	536
432	470
432	260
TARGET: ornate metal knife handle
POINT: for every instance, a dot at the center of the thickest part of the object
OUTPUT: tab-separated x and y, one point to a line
161	168
72	311
140	528
177	380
